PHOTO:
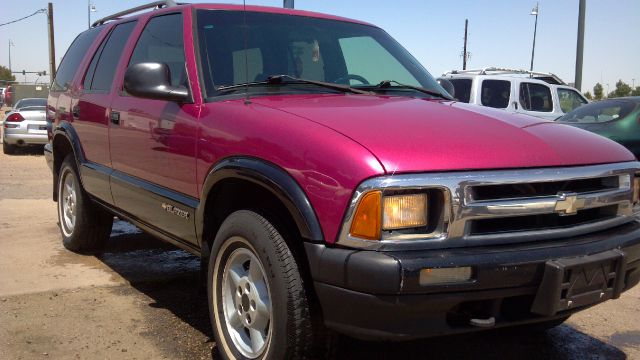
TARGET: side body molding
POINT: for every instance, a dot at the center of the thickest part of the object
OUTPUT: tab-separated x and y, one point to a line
273	179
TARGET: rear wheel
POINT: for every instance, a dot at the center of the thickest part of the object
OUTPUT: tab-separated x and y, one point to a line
85	226
8	149
257	301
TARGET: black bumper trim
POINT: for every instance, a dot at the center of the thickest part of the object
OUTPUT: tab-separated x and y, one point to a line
377	295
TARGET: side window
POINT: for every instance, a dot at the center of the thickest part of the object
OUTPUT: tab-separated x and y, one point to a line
495	93
535	97
105	61
463	89
71	61
569	100
162	41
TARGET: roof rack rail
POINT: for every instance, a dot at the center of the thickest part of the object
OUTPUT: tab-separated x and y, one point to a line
548	77
153	5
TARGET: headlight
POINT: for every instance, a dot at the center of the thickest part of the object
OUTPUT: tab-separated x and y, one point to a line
404	211
377	213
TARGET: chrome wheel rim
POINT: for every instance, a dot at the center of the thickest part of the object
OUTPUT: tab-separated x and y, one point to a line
67	202
246	303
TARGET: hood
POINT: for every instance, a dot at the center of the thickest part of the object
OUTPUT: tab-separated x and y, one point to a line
413	135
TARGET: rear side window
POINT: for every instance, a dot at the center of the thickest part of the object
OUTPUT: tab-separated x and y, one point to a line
105	61
462	88
569	100
495	93
535	97
162	41
72	59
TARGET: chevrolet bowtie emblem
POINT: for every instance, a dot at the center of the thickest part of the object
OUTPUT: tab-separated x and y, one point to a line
569	204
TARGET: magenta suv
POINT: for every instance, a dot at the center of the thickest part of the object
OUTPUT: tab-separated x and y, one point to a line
328	183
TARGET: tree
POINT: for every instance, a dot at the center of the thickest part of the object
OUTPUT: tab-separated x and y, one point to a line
598	92
636	91
622	89
5	74
588	95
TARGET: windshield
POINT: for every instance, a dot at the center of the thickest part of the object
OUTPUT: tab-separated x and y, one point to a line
27	103
323	50
598	112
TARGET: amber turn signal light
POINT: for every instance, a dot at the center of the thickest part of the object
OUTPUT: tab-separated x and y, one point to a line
366	220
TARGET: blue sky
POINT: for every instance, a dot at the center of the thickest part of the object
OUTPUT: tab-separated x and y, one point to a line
501	32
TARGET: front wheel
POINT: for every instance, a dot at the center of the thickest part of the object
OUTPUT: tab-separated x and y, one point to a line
257	301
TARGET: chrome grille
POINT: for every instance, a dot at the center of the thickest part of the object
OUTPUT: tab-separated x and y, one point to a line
496	207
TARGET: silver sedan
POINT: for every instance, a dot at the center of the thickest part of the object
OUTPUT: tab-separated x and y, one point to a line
25	125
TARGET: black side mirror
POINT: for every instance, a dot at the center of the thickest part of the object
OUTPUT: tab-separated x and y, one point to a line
153	81
447	85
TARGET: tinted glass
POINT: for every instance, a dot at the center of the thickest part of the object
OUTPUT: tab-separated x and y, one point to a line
535	97
31	102
110	57
598	112
161	41
569	100
88	78
495	93
463	89
72	59
303	47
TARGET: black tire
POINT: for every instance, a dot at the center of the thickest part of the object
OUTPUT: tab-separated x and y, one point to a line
92	224
290	326
8	149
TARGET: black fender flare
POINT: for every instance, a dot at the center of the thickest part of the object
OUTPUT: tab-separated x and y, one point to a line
275	180
64	128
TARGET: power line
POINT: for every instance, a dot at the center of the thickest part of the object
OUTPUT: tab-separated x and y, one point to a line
26	17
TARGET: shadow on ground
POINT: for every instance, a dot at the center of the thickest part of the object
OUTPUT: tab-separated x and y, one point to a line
179	323
28	151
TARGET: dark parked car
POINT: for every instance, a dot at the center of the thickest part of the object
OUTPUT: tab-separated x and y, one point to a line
328	183
617	118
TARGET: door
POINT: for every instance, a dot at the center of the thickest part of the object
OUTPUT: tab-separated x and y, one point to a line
535	99
90	111
153	141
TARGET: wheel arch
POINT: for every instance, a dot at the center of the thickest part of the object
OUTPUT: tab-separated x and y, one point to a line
242	178
63	143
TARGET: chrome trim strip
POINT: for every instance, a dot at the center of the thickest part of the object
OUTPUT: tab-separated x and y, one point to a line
462	208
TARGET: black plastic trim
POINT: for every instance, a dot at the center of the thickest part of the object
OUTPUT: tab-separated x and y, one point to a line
272	178
156	206
515	265
96	180
154	231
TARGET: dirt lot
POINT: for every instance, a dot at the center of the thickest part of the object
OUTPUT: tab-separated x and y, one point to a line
141	299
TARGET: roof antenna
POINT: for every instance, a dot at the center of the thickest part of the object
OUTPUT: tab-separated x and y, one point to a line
246	55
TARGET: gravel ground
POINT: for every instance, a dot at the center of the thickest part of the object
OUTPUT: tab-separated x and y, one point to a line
142	299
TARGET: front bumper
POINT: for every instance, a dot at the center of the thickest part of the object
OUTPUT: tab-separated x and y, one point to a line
377	295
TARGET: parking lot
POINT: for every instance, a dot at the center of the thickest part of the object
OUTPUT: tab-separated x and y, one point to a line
141	299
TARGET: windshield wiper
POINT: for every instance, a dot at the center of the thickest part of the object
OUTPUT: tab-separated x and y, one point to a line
386	84
288	79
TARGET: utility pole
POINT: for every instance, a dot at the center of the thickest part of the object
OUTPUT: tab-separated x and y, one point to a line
52	45
580	46
535	12
464	50
10	45
288	4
